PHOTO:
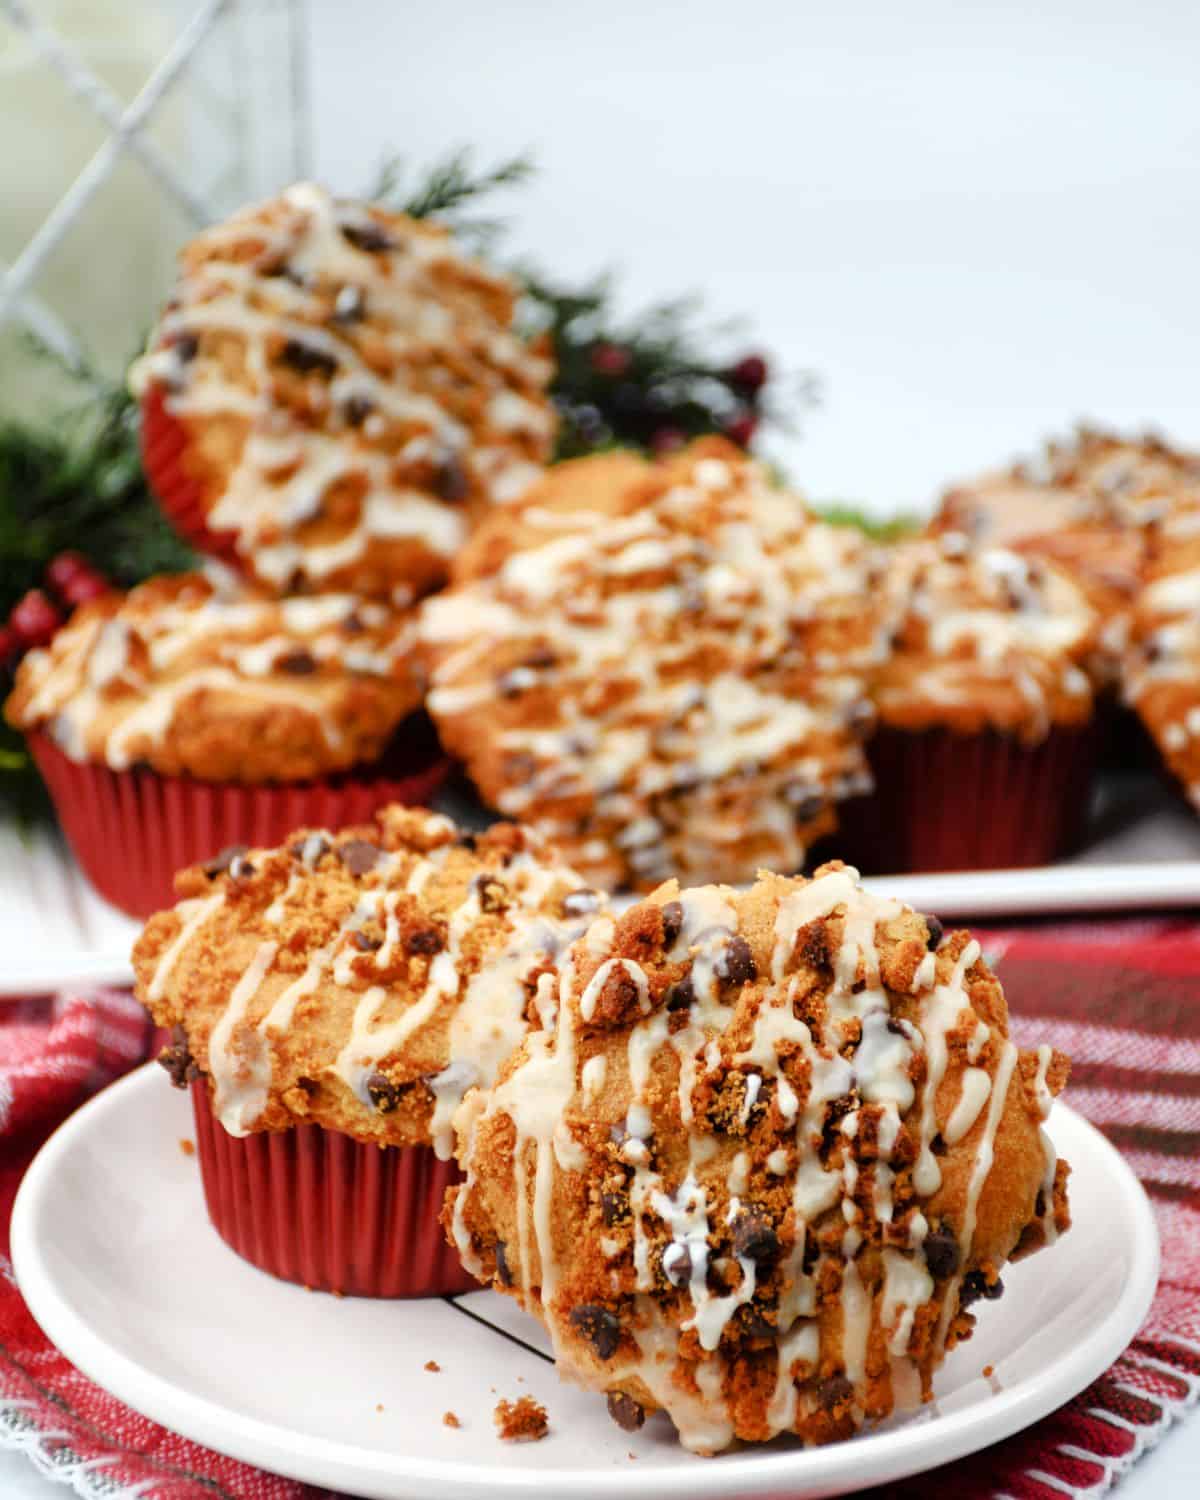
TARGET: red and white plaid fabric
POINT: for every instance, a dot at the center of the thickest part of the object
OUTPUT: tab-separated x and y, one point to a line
1123	998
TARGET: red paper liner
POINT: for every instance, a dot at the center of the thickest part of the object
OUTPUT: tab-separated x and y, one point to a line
132	830
164	442
946	801
317	1207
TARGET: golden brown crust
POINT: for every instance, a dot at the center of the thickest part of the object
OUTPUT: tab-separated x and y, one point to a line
983	639
778	1145
361	980
677	688
222	683
351	389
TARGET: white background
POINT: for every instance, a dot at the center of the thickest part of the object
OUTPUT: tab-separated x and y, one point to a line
975	222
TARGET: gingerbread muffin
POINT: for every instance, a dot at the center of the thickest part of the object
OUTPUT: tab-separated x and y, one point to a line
1161	668
776	1149
983	701
332	391
192	713
331	1001
675	686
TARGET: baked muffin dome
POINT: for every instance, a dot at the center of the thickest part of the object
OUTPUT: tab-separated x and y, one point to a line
776	1146
351	390
676	686
197	676
983	639
361	980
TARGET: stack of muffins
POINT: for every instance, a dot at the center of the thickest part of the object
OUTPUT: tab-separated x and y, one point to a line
752	1155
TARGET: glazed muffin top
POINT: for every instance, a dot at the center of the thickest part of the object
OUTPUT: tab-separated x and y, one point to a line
677	687
200	676
352	390
983	639
361	980
776	1144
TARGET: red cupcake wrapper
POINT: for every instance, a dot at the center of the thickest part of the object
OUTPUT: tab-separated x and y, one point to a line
164	443
132	830
316	1207
946	801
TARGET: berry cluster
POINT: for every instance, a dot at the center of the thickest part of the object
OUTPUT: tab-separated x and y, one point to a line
71	581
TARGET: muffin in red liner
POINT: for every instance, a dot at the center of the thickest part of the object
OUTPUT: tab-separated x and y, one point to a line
187	715
317	1207
948	801
132	830
986	743
334	392
181	492
330	1002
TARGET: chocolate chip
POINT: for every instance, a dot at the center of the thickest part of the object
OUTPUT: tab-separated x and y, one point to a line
356	409
672	923
349	305
941	1253
805	801
756	1323
177	1060
736	963
682	995
860	718
934	940
493	893
359	856
185	348
368	235
383	1093
223	863
625	1411
539	657
677	1264
938	1145
976	1285
613	1208
450	481
307	359
366	944
424	940
754	1239
503	1270
833	1392
1039	1204
599	1326
580	903
467	840
299	663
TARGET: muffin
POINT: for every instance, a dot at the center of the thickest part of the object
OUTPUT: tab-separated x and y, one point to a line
333	391
1161	668
983	754
330	1001
675	685
192	713
776	1150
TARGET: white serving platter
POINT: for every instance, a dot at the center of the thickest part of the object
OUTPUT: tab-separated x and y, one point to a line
1142	853
119	1266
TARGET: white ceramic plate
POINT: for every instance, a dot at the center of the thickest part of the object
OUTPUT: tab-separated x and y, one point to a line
118	1264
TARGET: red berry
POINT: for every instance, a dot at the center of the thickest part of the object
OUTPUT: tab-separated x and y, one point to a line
63	568
86	584
667	440
34	620
10	647
741	429
610	359
749	375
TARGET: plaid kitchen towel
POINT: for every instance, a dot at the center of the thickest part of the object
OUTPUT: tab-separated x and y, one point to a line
1122	998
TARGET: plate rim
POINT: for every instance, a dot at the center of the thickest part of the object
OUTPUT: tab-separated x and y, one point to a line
872	1457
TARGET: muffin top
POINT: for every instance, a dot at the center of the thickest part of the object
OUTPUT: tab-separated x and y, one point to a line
197	675
983	639
360	980
1143	481
677	687
776	1144
352	389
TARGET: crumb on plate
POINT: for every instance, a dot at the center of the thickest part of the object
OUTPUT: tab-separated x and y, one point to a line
521	1421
